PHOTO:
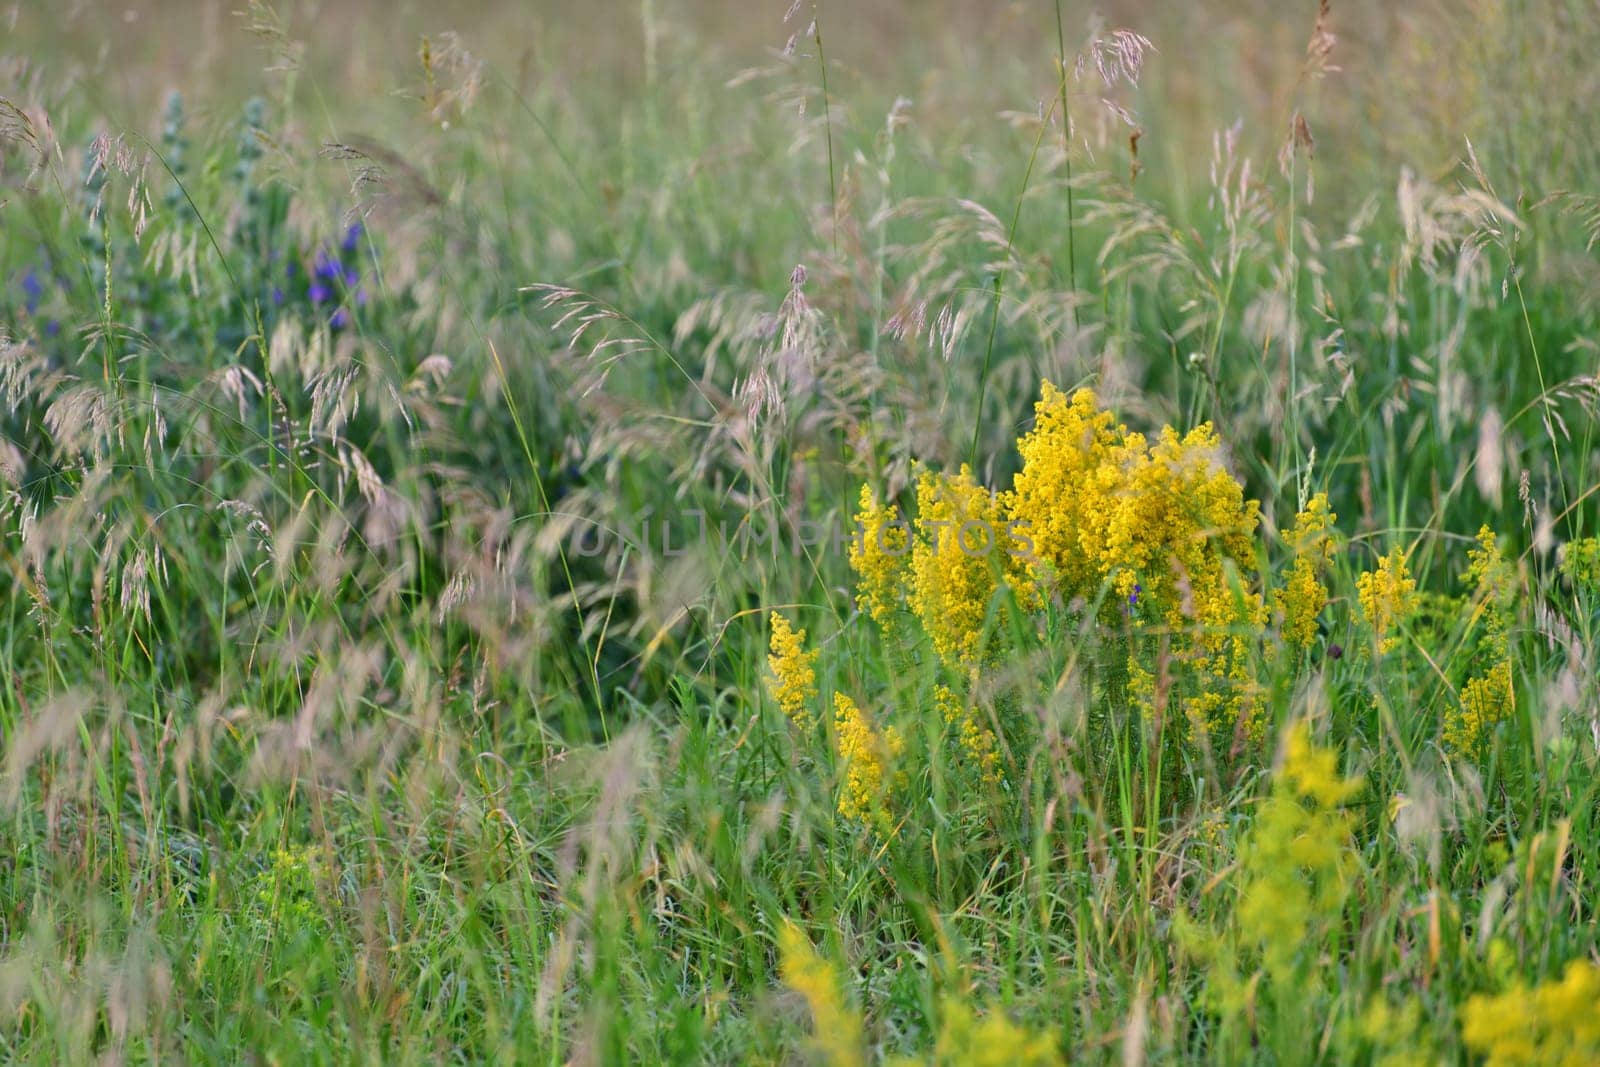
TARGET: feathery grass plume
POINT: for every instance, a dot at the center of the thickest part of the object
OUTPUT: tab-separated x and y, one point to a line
836	1028
960	556
793	682
1304	595
1552	1023
975	739
1296	862
878	556
1388	598
867	757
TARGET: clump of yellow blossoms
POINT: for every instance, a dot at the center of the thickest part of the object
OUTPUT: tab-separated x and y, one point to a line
959	557
878	556
1157	535
836	1028
794	676
867	757
1554	1023
1101	504
1166	527
1072	478
1398	1035
1580	562
1303	595
1298	859
976	739
1295	865
1487	698
1388	597
991	1040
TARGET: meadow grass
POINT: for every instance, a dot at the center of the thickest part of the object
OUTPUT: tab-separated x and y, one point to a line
440	472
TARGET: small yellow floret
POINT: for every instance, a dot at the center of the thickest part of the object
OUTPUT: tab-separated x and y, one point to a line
794	677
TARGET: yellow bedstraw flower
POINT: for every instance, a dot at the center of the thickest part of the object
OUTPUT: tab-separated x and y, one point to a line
960	555
1387	596
836	1029
1489	697
977	741
1067	489
878	555
867	758
1554	1024
1182	527
1580	562
794	676
1303	595
991	1040
1484	701
1297	860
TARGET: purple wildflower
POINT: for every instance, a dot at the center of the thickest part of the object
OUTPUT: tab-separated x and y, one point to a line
33	289
327	267
319	293
352	237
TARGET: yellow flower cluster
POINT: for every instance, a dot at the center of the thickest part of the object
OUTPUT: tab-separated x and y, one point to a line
1298	858
1168	527
1102	504
1068	489
878	556
1162	527
1388	597
836	1028
867	757
959	557
976	739
1553	1024
1399	1035
1580	562
1487	698
991	1040
1303	595
794	676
